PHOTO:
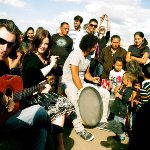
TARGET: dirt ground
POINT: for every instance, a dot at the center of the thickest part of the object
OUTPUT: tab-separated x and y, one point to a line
103	140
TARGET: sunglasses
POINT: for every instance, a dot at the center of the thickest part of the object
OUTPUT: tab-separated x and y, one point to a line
9	44
93	25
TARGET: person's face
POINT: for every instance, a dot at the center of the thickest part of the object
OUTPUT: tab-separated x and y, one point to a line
7	41
92	50
92	27
115	44
102	30
43	46
64	29
124	79
30	34
118	66
77	24
138	40
20	38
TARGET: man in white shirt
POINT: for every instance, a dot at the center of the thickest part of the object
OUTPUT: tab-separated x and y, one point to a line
73	32
76	69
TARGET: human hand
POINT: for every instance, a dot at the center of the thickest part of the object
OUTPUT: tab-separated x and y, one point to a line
118	95
117	88
47	89
8	102
106	17
96	80
53	60
19	54
10	105
102	18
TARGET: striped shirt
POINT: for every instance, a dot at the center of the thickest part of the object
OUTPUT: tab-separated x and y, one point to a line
144	92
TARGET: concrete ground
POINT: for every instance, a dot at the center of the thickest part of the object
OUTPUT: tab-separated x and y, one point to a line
103	140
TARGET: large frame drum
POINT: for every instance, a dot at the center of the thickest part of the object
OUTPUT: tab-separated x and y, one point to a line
90	106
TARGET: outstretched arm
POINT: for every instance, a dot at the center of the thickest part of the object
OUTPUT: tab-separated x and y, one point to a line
49	67
108	22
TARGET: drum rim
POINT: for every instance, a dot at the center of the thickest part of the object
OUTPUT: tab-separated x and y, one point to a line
79	94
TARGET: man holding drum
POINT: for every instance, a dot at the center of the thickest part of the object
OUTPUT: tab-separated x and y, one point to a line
76	69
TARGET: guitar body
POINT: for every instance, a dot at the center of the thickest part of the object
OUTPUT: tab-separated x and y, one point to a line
15	84
11	81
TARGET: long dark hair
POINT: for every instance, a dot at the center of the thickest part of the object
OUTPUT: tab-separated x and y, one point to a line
144	43
38	38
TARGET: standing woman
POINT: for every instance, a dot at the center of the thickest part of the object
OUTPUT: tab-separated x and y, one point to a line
139	51
36	66
28	36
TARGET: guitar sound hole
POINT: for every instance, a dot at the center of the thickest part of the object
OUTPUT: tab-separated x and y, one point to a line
8	92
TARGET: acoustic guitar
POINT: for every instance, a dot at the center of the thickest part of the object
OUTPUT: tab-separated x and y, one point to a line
12	86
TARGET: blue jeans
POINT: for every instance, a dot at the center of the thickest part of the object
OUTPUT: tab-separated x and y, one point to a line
121	120
98	70
31	124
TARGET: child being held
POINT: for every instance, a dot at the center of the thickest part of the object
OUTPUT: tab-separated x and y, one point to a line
120	106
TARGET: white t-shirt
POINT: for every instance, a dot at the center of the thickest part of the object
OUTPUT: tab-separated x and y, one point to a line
74	34
115	78
75	58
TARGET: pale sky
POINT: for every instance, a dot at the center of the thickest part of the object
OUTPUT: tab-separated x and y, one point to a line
126	16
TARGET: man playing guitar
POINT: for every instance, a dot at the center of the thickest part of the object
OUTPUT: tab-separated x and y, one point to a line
30	125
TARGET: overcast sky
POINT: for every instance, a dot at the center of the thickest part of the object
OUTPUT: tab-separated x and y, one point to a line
126	16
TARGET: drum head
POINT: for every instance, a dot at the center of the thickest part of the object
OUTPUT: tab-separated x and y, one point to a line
90	106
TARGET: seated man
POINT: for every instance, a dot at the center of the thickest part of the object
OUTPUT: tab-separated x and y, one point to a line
30	125
76	69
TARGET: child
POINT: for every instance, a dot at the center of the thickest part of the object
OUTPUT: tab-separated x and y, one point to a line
115	76
120	106
141	125
145	90
133	66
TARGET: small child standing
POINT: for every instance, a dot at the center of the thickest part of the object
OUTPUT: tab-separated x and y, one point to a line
120	106
115	76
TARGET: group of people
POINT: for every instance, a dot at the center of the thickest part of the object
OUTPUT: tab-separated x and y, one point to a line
74	60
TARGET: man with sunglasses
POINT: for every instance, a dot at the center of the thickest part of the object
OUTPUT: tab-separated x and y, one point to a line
91	29
30	125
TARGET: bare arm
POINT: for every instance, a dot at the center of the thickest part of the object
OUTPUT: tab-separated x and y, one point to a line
75	76
91	78
108	22
139	60
49	67
128	57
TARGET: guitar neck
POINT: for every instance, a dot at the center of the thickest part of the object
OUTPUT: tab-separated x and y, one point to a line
28	91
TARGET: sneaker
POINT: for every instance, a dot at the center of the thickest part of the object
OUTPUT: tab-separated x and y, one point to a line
86	135
103	126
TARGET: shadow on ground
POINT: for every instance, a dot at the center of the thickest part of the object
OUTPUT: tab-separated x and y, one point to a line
114	144
68	142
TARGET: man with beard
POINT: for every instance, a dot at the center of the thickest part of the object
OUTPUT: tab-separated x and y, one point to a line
76	69
109	53
74	31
